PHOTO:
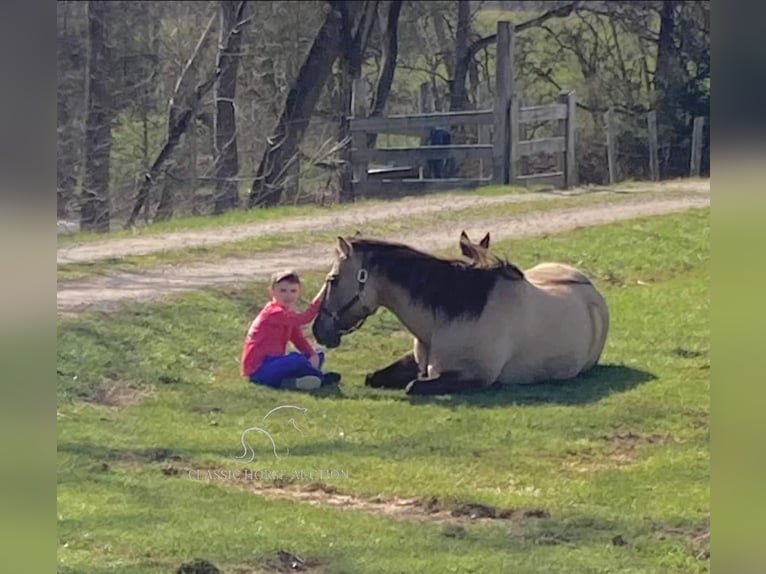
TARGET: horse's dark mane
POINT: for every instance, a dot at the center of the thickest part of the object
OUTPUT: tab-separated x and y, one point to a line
451	286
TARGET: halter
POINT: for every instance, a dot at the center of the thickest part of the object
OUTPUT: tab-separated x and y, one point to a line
361	278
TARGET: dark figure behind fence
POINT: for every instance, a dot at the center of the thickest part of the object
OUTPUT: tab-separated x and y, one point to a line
439	168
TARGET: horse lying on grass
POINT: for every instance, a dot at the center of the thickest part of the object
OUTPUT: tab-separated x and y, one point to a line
474	323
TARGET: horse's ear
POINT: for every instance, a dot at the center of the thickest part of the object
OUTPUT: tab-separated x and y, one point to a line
468	249
464	236
485	241
344	247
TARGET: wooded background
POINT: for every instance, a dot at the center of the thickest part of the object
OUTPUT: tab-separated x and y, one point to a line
171	108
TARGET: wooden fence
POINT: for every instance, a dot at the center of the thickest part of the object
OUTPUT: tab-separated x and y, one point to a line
695	159
404	165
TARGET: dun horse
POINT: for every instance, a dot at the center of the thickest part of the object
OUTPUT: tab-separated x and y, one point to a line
474	323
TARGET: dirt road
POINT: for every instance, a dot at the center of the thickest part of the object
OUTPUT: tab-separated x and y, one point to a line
113	248
108	292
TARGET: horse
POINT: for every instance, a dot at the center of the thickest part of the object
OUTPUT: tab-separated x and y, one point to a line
474	325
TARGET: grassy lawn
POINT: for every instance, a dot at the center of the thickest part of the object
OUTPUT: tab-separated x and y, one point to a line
618	458
387	227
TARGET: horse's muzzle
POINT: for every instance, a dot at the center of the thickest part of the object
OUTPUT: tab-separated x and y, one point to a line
329	338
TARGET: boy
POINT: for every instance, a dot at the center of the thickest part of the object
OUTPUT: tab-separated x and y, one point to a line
263	355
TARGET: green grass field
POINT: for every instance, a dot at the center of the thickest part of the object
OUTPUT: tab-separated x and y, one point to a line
618	459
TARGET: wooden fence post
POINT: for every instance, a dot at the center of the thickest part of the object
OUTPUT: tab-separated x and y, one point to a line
654	162
696	152
611	146
503	89
570	165
359	138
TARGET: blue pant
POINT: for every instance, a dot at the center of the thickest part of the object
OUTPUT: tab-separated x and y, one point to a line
276	368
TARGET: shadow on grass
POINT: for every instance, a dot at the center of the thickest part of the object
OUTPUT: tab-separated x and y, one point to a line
596	384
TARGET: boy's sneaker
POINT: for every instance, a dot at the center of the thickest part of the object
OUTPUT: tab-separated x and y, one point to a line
307	383
330	379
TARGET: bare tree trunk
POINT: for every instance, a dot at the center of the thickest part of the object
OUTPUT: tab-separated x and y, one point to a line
183	106
296	112
668	84
66	160
167	196
665	52
441	39
390	55
70	106
357	26
457	88
94	215
180	112
227	164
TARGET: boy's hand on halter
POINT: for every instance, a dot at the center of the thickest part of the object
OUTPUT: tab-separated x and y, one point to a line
319	295
314	360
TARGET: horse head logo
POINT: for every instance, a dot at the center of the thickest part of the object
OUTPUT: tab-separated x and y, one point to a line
248	449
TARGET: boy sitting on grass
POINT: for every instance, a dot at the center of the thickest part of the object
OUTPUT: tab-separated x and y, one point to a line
264	357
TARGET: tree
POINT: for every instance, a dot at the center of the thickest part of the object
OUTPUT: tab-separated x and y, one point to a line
390	49
184	103
227	167
94	215
72	82
458	97
358	22
282	148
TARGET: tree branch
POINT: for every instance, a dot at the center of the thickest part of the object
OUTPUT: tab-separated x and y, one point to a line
183	105
432	73
560	12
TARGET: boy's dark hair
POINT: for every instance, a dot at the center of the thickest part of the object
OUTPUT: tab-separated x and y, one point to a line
290	276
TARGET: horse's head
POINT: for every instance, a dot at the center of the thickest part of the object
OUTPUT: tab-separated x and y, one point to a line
478	253
350	296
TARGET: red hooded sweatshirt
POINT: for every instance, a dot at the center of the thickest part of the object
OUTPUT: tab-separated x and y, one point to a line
269	333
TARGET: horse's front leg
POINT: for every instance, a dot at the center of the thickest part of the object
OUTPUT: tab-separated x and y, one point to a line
396	375
420	349
446	383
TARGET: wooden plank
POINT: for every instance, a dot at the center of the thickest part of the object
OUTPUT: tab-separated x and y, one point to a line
542	113
404	172
553	178
402	187
654	162
611	146
695	163
570	163
388	169
542	145
503	91
415	124
416	155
